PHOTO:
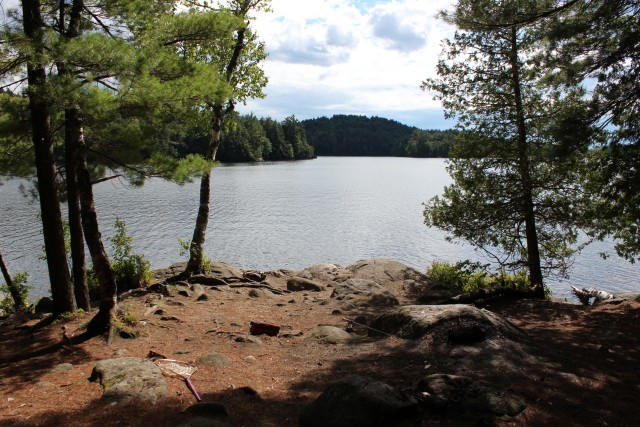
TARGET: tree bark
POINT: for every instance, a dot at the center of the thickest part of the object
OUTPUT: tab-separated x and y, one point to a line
72	134
220	113
102	322
531	232
18	302
61	289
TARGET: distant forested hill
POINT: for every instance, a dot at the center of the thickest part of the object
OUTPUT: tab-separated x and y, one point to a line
350	135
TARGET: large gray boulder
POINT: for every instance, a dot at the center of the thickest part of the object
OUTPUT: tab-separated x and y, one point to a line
464	397
364	292
358	401
383	271
462	324
129	378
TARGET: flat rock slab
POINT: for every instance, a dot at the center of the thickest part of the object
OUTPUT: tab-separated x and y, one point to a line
358	402
364	291
461	323
382	271
464	397
128	378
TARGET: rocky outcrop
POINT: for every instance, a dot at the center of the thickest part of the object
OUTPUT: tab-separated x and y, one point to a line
296	284
128	378
465	398
457	323
359	402
363	292
325	273
382	271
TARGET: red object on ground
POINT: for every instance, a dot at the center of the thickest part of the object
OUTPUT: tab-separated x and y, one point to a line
263	329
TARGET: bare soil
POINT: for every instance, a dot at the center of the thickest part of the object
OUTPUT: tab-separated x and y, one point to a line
589	373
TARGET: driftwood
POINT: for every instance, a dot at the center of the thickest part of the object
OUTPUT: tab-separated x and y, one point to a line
585	295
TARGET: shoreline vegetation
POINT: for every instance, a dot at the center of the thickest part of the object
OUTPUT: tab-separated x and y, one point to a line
251	139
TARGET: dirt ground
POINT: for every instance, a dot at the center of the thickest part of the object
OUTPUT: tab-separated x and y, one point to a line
589	373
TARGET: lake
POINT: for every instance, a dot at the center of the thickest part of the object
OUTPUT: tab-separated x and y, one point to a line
286	215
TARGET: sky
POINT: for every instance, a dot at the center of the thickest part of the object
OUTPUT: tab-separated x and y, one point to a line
365	57
368	58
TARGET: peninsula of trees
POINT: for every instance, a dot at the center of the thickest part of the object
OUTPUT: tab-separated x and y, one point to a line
350	135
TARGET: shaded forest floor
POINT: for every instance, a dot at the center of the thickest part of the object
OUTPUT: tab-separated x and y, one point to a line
589	372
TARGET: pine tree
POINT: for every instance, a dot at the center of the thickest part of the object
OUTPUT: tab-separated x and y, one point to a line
515	195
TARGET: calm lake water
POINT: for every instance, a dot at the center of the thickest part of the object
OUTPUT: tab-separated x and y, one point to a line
286	215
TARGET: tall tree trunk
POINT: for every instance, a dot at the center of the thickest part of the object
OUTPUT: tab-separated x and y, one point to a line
102	322
73	134
18	302
531	232
220	113
61	289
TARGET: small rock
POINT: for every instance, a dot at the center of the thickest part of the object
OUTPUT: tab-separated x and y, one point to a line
170	318
216	360
122	352
184	293
44	305
247	339
296	284
250	359
330	335
291	333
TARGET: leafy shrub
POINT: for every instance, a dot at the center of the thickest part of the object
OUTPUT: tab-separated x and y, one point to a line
131	270
467	276
7	303
185	250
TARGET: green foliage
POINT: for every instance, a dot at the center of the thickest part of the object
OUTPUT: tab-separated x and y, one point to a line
127	322
68	316
349	135
131	270
185	250
518	192
7	304
467	276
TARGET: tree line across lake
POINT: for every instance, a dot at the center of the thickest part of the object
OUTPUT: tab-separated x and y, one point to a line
249	139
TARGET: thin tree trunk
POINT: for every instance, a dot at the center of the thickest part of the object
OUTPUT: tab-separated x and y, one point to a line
531	232
73	133
102	322
61	288
18	302
196	249
220	113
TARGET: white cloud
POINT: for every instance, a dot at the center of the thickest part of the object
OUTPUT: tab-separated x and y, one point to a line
351	57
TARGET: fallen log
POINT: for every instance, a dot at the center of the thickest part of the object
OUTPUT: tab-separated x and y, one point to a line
585	295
